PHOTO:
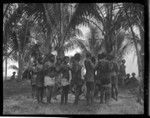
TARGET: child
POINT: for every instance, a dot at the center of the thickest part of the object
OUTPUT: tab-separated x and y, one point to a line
77	80
40	82
65	81
13	76
49	82
33	83
89	78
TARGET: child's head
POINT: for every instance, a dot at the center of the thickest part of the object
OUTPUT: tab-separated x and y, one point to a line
52	72
93	60
133	74
128	75
51	58
77	57
14	73
88	55
66	60
123	61
101	56
59	60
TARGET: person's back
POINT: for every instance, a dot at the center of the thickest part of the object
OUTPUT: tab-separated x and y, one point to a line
76	72
122	69
65	71
103	71
89	76
40	78
33	78
114	72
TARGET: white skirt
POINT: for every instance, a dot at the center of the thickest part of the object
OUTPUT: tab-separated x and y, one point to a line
64	82
48	81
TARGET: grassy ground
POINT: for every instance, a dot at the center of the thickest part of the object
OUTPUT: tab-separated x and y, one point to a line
17	100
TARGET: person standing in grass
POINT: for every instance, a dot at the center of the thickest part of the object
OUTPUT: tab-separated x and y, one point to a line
33	82
76	78
89	78
122	73
57	87
65	80
40	82
114	71
49	82
103	72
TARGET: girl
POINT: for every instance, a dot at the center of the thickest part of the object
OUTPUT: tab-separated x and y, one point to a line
49	82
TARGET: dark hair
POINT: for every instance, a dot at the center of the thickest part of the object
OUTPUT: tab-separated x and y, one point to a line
93	60
101	56
77	57
133	73
51	58
88	55
59	60
123	61
65	59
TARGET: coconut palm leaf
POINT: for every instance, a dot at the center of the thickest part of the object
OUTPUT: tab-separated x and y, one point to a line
14	67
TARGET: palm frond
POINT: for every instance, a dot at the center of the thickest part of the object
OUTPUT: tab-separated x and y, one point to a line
14	67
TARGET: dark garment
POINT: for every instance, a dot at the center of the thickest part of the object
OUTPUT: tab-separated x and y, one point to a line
89	66
40	78
33	79
114	66
40	91
90	92
102	68
122	74
105	79
12	77
65	71
105	93
27	74
78	92
114	87
34	91
76	73
49	92
97	89
122	70
64	95
127	80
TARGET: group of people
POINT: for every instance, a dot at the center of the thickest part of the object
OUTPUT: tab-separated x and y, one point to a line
131	79
64	75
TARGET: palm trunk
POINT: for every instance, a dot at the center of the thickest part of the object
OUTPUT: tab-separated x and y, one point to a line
20	64
60	51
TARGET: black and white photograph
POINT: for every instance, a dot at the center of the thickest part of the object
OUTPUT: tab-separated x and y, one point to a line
73	58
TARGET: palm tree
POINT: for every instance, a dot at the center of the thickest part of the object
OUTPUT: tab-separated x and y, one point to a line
134	14
17	26
63	23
